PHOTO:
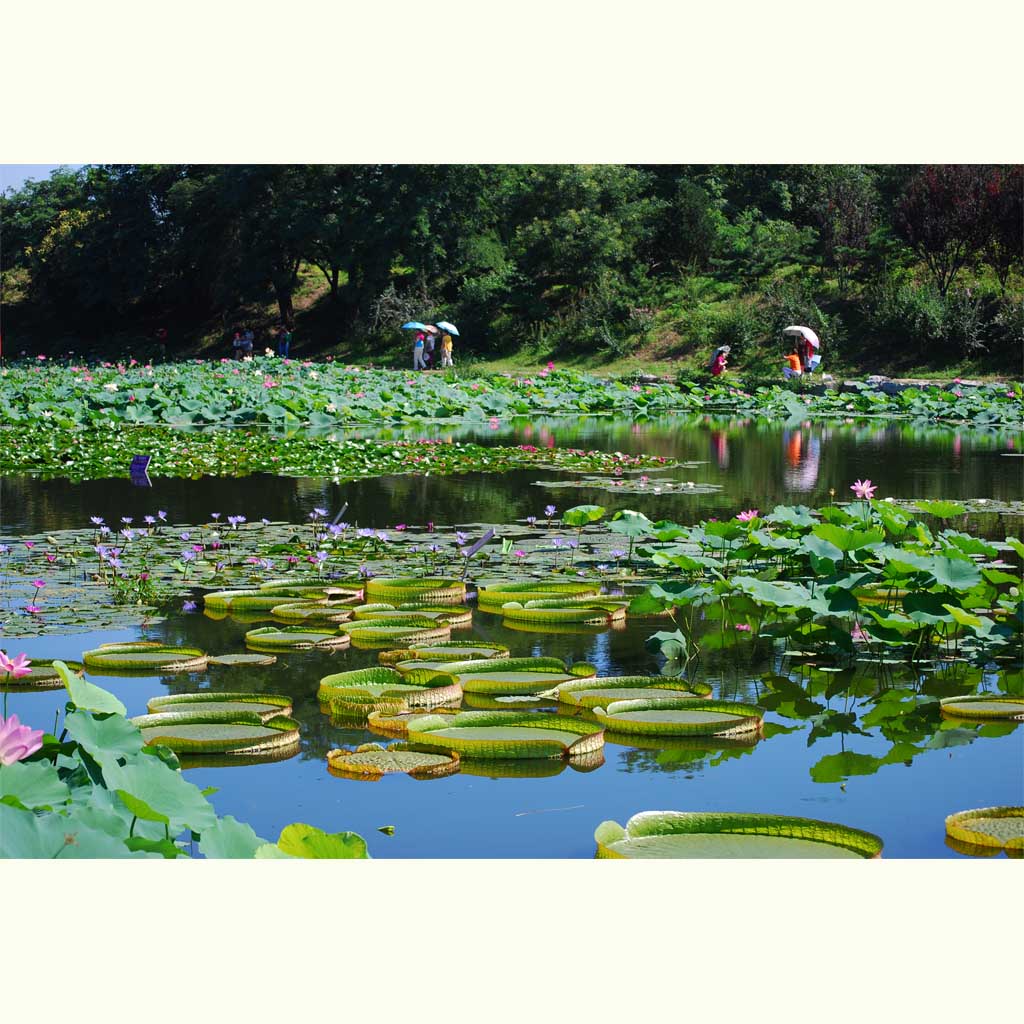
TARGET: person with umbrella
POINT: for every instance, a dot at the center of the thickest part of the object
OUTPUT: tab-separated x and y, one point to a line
719	360
417	344
446	342
428	346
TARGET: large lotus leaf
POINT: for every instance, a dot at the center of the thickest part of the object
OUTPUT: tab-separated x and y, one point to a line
941	509
151	791
779	595
27	835
673	645
88	696
581	515
228	838
301	840
34	784
631	524
848	539
926	608
791	515
105	737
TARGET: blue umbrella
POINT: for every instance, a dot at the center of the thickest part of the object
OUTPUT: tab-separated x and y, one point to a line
450	328
414	325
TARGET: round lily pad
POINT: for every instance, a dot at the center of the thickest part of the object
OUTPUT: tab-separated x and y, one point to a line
419	589
599	692
444	650
143	657
507	734
311	612
586	615
266	705
228	732
355	694
396	723
492	596
372	761
41	676
242	659
998	827
691	716
679	834
292	638
984	706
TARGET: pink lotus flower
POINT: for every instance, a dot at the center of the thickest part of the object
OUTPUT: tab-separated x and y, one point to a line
864	489
745	517
15	667
17	741
742	627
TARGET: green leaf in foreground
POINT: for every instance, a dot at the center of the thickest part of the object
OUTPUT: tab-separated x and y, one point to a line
301	840
88	696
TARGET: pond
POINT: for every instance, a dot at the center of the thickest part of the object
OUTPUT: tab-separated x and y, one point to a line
819	758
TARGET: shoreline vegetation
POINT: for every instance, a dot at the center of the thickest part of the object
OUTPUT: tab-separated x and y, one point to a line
902	270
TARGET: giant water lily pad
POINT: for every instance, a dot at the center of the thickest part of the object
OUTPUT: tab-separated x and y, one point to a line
310	612
500	675
492	596
678	834
498	735
227	732
692	716
419	589
584	614
265	705
41	676
372	761
989	827
396	723
227	660
445	650
141	657
293	638
983	706
356	693
600	691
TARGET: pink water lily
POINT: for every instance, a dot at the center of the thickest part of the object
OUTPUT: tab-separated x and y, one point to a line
864	489
17	741
15	667
751	513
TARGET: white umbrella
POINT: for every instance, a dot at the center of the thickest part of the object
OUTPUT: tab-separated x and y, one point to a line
450	328
804	332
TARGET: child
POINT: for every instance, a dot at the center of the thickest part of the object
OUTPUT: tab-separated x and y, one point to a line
446	350
417	352
719	361
794	366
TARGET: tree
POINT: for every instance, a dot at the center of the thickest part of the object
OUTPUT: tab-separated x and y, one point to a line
841	201
943	215
1004	248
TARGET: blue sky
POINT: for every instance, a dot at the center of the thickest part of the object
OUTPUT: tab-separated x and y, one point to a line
15	175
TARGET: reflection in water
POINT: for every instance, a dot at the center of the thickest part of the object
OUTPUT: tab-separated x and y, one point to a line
803	455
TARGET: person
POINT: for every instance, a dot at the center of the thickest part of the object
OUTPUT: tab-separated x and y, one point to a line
248	340
719	361
236	345
446	350
428	350
417	352
284	341
794	365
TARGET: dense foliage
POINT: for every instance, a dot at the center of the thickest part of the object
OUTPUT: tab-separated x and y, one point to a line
587	258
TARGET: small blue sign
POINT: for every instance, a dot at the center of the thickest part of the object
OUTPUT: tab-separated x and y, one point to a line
140	463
